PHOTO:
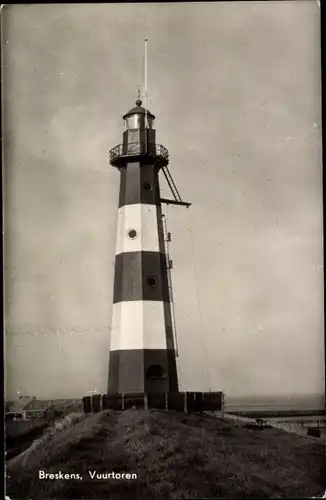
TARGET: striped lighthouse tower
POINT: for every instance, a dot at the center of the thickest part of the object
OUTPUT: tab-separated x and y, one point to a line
142	351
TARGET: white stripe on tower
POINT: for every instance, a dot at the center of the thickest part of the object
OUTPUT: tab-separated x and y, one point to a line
144	218
138	324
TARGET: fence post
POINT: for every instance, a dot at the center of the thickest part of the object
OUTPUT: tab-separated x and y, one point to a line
222	403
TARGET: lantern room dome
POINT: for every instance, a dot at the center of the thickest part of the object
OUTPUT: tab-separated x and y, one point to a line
138	110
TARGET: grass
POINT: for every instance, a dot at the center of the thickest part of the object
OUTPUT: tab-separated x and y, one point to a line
17	428
174	455
21	434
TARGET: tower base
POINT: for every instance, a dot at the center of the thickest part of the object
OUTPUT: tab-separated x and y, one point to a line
129	371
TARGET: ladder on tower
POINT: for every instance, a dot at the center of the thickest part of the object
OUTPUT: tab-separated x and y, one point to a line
177	200
171	183
167	239
174	190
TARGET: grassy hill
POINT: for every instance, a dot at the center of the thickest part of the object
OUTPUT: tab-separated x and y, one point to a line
174	455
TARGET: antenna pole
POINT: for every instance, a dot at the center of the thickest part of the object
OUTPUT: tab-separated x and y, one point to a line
145	83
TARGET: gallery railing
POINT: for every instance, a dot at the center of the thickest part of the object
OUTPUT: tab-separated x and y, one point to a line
156	151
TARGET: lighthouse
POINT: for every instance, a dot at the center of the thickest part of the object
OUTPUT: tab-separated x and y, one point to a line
142	348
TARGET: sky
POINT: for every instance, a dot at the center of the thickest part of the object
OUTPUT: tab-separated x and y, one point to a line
235	88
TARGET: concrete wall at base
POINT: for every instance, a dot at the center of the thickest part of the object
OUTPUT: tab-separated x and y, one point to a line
112	402
177	401
134	400
87	404
157	401
96	403
213	401
190	402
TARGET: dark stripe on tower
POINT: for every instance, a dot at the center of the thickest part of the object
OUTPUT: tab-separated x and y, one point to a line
140	276
139	184
128	368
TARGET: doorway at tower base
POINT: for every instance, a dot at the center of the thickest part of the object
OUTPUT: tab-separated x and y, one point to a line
188	402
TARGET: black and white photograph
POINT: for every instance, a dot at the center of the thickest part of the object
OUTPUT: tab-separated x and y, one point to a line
163	250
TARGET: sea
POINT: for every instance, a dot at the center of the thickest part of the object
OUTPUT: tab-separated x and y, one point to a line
276	403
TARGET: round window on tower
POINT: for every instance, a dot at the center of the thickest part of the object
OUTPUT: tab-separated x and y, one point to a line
147	186
132	233
151	281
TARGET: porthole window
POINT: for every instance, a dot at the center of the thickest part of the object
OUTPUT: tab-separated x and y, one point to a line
132	234
155	371
151	281
147	186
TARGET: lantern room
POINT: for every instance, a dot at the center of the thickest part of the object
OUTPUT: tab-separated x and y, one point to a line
138	140
139	135
138	118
